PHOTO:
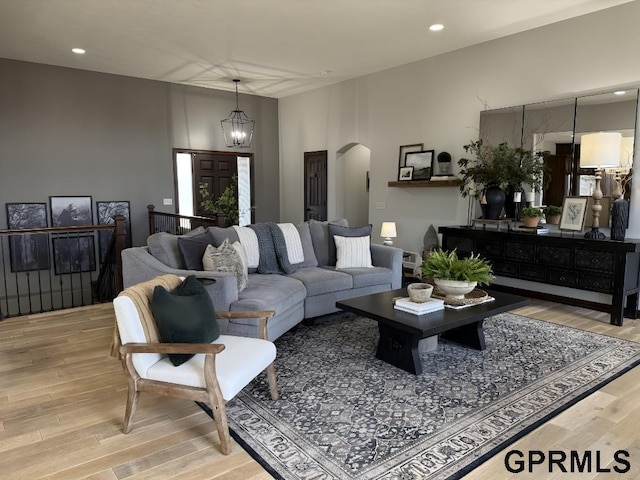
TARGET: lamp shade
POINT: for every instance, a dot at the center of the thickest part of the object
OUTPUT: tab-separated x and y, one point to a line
388	230
600	150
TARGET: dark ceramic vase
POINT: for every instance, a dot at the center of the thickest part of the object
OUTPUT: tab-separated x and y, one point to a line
495	202
619	218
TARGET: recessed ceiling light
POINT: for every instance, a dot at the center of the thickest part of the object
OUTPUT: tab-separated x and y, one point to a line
619	92
436	27
325	73
79	51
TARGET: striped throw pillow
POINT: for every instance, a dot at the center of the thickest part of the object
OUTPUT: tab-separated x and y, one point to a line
353	252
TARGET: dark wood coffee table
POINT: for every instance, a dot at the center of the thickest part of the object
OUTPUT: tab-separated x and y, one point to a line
400	332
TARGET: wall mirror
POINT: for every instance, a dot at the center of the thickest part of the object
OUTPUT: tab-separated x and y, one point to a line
557	127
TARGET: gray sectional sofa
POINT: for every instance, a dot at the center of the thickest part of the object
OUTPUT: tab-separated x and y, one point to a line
309	291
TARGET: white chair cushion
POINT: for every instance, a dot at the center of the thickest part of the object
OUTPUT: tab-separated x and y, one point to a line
130	329
233	369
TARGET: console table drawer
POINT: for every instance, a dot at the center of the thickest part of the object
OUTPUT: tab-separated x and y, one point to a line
555	256
508	269
595	260
489	248
532	272
520	251
461	244
563	277
596	283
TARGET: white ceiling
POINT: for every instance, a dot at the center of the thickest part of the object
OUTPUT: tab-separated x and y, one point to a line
276	47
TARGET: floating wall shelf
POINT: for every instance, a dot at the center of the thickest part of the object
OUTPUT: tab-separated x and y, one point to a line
425	183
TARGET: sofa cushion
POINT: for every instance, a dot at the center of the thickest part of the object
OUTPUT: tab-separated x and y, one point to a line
249	241
344	232
192	249
310	259
319	280
227	258
164	247
320	238
365	277
352	252
184	315
270	292
219	234
293	242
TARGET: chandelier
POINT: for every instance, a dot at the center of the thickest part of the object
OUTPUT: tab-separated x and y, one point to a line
237	128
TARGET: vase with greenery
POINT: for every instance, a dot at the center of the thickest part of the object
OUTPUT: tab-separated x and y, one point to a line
226	204
531	216
454	275
501	166
552	214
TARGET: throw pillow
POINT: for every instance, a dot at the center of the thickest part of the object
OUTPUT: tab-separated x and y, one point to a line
345	232
220	233
353	252
226	259
249	241
295	252
184	315
310	259
192	249
320	239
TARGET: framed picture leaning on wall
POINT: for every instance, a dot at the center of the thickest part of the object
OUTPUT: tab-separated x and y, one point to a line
70	211
106	212
74	253
422	163
29	251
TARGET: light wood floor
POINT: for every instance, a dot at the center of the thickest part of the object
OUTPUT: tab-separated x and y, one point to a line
62	401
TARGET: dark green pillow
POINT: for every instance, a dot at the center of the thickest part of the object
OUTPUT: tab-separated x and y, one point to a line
184	315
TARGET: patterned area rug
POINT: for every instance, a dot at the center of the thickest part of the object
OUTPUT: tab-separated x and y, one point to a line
343	414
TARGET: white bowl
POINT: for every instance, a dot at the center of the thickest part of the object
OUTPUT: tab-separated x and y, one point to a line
455	288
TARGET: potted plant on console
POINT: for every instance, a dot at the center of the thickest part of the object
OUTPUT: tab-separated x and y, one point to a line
552	214
500	172
456	276
531	216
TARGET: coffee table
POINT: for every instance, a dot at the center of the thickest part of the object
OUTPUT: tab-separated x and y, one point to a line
401	332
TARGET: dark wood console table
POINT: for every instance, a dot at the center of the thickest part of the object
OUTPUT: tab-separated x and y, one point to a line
604	266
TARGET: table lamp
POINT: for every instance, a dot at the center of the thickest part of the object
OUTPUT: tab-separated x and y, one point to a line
388	232
599	150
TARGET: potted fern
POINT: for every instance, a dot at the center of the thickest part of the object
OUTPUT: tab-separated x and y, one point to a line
456	276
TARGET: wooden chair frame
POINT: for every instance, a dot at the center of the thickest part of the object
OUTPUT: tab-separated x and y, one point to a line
211	394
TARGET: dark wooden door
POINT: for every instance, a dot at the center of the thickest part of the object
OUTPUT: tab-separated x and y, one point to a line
315	185
214	169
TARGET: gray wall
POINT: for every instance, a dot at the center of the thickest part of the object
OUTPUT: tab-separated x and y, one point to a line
72	132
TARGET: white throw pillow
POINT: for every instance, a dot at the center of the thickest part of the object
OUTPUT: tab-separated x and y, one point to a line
295	253
353	252
249	241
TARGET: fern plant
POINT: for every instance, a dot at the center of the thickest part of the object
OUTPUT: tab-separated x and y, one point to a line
448	266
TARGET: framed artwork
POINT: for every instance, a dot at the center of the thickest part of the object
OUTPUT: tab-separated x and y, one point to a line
74	254
573	213
421	162
29	251
605	213
106	211
404	149
405	173
70	211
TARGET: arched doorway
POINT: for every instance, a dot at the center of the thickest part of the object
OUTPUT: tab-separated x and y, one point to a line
353	163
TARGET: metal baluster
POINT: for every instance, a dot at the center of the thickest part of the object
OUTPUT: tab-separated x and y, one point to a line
51	269
4	275
38	238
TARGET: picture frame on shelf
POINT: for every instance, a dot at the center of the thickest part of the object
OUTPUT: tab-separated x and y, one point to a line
422	163
106	211
74	254
404	149
574	211
67	211
29	251
405	174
